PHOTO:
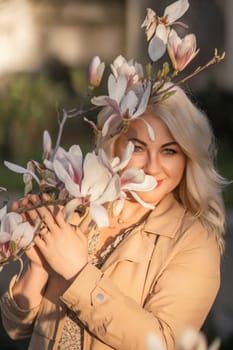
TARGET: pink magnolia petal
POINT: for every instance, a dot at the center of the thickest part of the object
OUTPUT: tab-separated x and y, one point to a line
23	235
150	130
176	10
99	215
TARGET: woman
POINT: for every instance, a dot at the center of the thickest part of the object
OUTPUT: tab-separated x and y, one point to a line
151	271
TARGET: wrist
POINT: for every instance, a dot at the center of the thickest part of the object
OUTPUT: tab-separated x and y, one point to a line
70	276
38	269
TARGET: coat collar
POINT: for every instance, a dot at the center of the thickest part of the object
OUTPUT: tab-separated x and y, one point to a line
166	218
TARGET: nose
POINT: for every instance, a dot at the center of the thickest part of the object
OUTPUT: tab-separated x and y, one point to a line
152	165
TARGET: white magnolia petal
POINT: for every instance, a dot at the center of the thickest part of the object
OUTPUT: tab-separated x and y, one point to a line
72	187
23	235
94	185
107	124
162	33
140	201
132	175
126	157
117	206
176	10
117	87
75	157
148	184
150	130
106	101
129	103
154	342
144	102
104	159
190	338
47	144
156	48
70	208
20	170
3	212
10	221
4	237
111	192
60	171
99	215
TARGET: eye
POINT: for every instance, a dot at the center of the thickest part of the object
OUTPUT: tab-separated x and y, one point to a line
138	148
169	151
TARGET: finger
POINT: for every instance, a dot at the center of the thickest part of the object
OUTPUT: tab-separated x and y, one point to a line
47	218
39	241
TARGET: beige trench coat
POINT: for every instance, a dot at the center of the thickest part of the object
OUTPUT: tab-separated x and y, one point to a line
161	279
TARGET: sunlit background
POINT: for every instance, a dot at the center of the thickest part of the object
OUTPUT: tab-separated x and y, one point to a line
45	49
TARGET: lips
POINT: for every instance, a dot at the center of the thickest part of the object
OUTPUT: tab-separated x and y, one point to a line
159	182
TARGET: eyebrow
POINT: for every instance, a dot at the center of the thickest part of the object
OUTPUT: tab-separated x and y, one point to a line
145	144
170	144
137	140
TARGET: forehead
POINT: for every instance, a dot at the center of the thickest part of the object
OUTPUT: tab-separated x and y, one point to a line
138	128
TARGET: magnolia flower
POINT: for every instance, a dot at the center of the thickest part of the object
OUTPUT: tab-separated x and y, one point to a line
159	27
15	235
133	72
68	170
96	71
124	105
181	51
150	23
88	190
131	179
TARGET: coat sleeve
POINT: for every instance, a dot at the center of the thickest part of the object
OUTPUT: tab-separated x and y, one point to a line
18	323
181	297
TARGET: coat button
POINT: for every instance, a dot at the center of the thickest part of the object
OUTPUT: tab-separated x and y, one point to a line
100	296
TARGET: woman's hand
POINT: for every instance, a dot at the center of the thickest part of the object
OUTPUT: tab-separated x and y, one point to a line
63	246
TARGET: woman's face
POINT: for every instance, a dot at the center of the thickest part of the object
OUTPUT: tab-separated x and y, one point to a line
161	158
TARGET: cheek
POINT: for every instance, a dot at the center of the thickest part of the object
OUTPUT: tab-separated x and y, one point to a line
175	168
137	161
179	168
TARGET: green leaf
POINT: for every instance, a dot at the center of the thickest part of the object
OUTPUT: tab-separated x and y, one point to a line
13	247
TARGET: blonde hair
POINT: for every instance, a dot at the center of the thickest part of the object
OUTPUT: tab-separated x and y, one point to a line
200	190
